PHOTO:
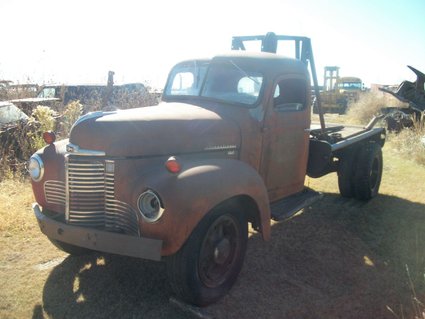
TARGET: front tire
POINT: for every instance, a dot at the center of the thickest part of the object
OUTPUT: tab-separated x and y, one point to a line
208	264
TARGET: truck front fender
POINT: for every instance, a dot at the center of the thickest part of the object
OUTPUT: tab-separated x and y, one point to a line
189	195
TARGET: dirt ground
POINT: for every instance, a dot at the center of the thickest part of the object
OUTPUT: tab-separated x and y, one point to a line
340	258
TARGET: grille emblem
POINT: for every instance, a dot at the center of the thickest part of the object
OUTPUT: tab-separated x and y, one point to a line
70	148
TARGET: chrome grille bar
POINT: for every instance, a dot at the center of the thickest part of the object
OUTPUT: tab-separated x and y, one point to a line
55	192
118	215
90	196
86	191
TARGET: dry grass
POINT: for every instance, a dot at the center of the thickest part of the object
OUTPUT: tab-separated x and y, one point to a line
15	202
22	248
339	259
370	104
392	226
408	144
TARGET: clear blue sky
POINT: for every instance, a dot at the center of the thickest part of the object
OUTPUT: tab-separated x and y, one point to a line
79	41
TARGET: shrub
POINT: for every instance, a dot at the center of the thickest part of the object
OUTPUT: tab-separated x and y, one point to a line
16	147
370	104
44	116
408	143
72	112
21	141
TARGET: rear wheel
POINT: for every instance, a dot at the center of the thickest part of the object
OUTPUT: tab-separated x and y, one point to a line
70	249
368	173
207	265
346	170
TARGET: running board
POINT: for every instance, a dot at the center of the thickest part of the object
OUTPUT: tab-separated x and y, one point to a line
287	207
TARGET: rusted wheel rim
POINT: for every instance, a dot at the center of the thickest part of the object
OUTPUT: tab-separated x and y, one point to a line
219	251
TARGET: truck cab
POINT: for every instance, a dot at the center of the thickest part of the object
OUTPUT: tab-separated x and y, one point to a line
267	98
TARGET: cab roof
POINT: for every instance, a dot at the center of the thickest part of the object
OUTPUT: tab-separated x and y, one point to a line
270	64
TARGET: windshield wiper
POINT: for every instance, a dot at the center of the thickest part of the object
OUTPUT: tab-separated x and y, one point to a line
245	73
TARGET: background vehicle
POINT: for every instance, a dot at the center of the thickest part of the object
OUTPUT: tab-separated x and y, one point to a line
230	144
412	93
338	92
10	114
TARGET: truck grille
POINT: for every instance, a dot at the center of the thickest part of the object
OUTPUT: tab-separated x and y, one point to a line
91	197
55	192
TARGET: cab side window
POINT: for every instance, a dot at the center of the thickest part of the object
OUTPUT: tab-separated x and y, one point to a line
290	95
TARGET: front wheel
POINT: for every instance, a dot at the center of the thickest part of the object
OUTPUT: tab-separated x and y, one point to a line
207	265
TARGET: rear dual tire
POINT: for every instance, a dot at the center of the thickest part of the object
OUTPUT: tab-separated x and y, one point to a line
360	172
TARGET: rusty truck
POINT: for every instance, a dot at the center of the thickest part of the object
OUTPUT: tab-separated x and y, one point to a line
229	145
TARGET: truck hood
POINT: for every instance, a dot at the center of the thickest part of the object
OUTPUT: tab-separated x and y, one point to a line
168	128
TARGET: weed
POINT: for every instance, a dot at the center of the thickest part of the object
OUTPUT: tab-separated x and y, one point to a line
408	144
72	112
417	305
368	105
21	141
43	115
15	199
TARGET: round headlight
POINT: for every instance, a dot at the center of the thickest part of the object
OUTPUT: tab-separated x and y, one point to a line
150	206
36	168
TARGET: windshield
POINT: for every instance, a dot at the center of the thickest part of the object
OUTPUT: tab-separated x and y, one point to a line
350	85
48	92
187	78
9	113
225	81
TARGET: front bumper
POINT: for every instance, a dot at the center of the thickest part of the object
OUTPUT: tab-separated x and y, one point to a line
98	240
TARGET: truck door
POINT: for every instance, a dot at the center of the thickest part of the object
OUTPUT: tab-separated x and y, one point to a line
286	136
